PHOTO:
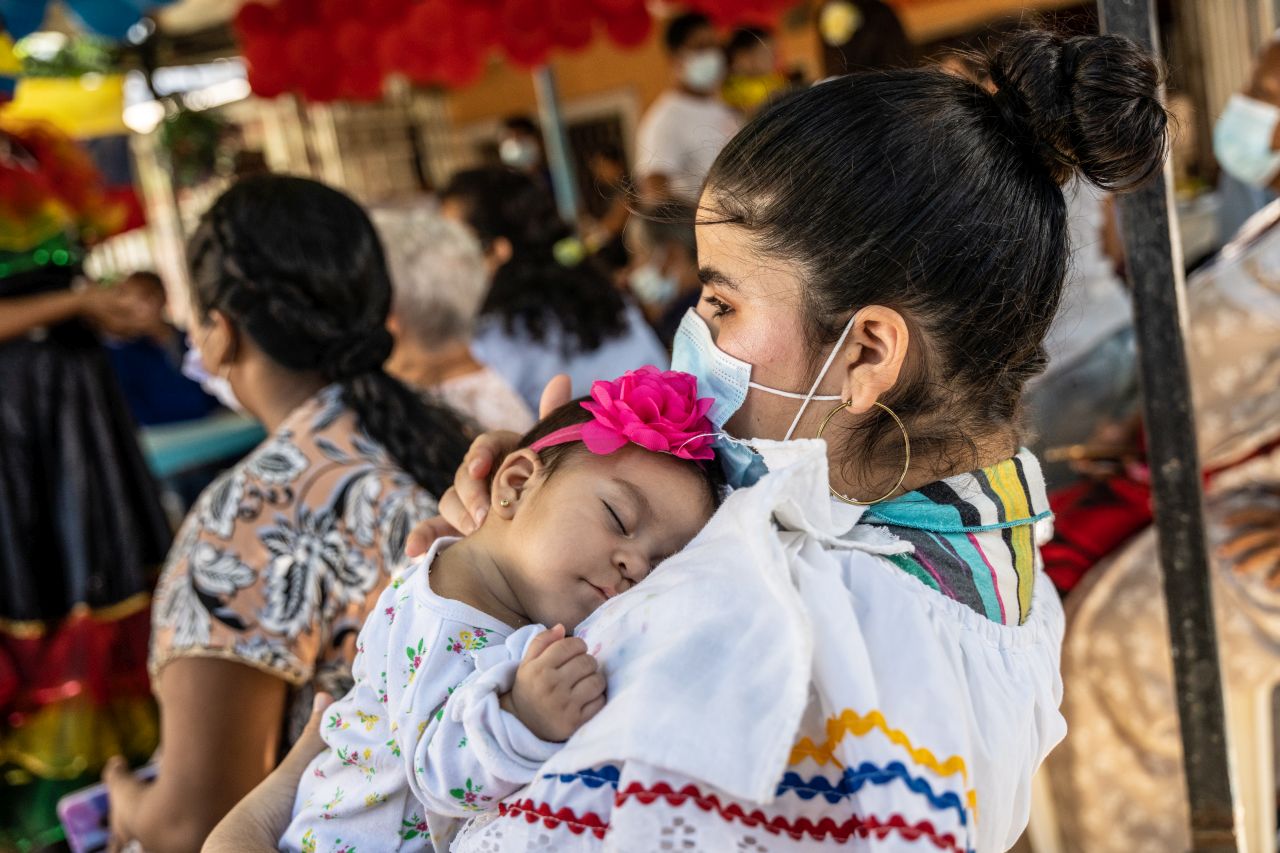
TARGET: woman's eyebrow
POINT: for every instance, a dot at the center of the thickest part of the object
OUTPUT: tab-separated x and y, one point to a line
711	275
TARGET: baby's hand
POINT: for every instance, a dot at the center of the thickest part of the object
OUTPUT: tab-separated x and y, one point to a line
558	686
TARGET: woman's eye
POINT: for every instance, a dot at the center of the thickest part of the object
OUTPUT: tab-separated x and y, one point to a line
719	307
616	520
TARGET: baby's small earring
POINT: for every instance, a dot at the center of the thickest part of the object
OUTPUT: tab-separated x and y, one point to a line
504	502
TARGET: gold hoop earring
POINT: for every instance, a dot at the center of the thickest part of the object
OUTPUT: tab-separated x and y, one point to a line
906	443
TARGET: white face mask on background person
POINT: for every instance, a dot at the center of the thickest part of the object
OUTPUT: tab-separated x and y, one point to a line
518	153
1242	140
218	387
651	285
703	70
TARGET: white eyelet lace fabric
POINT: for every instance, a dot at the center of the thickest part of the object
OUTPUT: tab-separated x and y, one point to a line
673	815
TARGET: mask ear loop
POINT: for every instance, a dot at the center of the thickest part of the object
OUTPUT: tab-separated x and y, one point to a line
822	374
224	372
685	443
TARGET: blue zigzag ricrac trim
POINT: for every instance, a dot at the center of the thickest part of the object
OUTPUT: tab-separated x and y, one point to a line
852	781
595	778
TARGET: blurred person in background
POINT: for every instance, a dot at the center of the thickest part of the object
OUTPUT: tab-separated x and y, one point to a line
861	35
685	128
1246	143
438	281
520	147
82	531
549	309
280	560
148	364
753	76
664	273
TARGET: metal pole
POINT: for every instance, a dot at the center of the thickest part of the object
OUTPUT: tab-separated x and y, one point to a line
563	180
1153	251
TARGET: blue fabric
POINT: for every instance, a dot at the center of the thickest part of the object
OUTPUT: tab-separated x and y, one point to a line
153	384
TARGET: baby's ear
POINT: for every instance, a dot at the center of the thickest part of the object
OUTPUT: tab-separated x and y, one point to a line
509	484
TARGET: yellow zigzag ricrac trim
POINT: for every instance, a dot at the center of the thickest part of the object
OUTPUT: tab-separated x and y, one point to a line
854	724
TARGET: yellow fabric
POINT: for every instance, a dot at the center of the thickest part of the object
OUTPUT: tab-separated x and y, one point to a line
70	738
9	65
746	92
83	107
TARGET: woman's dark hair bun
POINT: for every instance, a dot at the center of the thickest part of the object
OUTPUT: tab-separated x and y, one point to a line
1087	104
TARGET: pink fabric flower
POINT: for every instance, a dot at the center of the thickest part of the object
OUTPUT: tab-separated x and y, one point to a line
657	409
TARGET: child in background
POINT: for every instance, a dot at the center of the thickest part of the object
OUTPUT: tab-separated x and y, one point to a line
461	693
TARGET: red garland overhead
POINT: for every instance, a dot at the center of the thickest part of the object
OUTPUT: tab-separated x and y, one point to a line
330	49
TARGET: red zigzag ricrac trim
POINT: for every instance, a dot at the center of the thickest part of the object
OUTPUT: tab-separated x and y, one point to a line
534	812
778	825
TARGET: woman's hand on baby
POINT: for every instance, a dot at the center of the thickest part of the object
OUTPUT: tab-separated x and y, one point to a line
464	506
558	686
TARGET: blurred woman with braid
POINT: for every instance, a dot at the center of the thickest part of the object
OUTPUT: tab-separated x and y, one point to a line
281	558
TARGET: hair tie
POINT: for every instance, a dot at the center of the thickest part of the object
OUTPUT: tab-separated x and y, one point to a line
658	410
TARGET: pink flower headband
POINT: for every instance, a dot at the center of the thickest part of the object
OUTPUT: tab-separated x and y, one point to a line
657	409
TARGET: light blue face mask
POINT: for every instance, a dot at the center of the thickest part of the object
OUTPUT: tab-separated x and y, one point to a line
1242	140
727	380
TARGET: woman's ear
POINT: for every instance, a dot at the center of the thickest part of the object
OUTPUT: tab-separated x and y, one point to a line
511	482
219	350
874	355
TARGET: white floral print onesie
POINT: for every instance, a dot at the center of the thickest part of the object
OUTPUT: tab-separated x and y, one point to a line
402	765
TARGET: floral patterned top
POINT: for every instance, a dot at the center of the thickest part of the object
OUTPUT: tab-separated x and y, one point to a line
288	550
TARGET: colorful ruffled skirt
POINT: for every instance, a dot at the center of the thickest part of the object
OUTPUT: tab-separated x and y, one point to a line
82	534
